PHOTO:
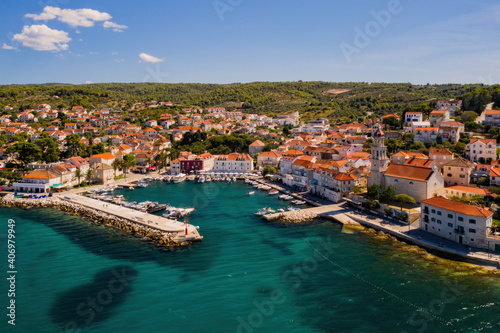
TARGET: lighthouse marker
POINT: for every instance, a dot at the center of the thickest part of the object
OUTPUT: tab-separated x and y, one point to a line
186	224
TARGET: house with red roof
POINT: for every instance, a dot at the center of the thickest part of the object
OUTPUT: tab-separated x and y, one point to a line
456	221
481	150
271	158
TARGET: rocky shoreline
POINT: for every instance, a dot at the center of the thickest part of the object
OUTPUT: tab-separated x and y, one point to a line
159	238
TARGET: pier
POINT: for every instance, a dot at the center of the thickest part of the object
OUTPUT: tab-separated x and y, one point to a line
337	212
147	220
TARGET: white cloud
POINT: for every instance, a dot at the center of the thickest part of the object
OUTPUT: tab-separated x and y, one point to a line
89	82
120	60
8	47
114	26
149	58
84	17
42	38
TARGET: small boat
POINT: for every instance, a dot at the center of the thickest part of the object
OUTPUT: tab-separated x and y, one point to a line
281	210
173	212
142	184
260	212
298	202
179	178
131	188
273	192
201	179
288	197
292	208
251	193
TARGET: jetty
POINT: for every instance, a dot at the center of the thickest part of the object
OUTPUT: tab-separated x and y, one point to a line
145	219
336	212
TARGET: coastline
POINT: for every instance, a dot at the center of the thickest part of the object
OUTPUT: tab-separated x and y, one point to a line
345	214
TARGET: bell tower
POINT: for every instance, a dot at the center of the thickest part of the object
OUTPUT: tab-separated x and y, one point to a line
379	159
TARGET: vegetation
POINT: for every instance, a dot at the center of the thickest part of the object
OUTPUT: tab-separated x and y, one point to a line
336	101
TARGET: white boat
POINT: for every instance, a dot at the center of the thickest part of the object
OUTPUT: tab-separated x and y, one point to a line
283	196
172	212
288	197
141	184
298	202
179	178
201	179
208	179
260	212
251	193
273	192
234	179
292	208
281	210
131	188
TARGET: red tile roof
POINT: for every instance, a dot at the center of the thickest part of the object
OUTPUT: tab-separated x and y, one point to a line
409	172
458	207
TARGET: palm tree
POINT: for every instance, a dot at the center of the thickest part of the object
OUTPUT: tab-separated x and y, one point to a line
90	173
115	165
78	175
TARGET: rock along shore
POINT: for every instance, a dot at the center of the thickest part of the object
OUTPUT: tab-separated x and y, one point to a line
155	236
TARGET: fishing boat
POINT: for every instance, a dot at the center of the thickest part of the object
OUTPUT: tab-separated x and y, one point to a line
273	192
251	193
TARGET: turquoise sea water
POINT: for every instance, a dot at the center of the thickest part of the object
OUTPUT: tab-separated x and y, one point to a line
246	276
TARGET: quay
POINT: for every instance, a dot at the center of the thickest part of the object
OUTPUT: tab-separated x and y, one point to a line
147	220
336	212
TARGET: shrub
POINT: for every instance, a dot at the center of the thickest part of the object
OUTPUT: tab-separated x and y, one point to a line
372	204
388	211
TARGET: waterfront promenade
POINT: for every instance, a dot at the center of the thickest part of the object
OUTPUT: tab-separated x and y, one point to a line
135	216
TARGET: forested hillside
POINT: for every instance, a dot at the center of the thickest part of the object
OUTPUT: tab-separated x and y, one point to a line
313	99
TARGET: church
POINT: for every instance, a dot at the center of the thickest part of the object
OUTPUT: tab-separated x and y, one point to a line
419	182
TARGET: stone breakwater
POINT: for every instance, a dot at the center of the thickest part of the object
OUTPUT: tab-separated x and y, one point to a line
298	216
155	236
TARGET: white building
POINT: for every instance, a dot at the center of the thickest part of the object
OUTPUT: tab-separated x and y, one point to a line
456	221
413	117
234	162
481	149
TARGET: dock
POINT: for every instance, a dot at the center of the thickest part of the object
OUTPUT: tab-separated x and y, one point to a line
142	218
336	212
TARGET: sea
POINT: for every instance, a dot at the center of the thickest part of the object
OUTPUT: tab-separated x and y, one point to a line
247	275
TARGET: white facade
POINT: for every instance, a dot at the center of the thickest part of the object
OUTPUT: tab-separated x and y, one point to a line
478	149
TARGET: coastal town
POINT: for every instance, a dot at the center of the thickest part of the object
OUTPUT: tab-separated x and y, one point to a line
423	171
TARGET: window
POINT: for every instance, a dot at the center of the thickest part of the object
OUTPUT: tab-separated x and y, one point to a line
450	216
439	221
461	219
450	225
411	183
433	211
396	181
433	219
472	221
439	212
472	231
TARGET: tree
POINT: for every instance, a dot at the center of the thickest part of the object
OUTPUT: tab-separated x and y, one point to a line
404	198
128	162
50	149
469	116
357	189
459	148
20	137
90	174
374	191
388	194
24	152
78	174
483	181
73	145
268	169
115	165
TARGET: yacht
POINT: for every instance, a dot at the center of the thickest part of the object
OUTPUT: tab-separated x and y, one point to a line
201	179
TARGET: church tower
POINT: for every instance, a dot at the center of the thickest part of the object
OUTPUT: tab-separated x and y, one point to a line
379	159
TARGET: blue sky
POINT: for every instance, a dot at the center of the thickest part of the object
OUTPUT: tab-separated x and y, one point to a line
225	41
